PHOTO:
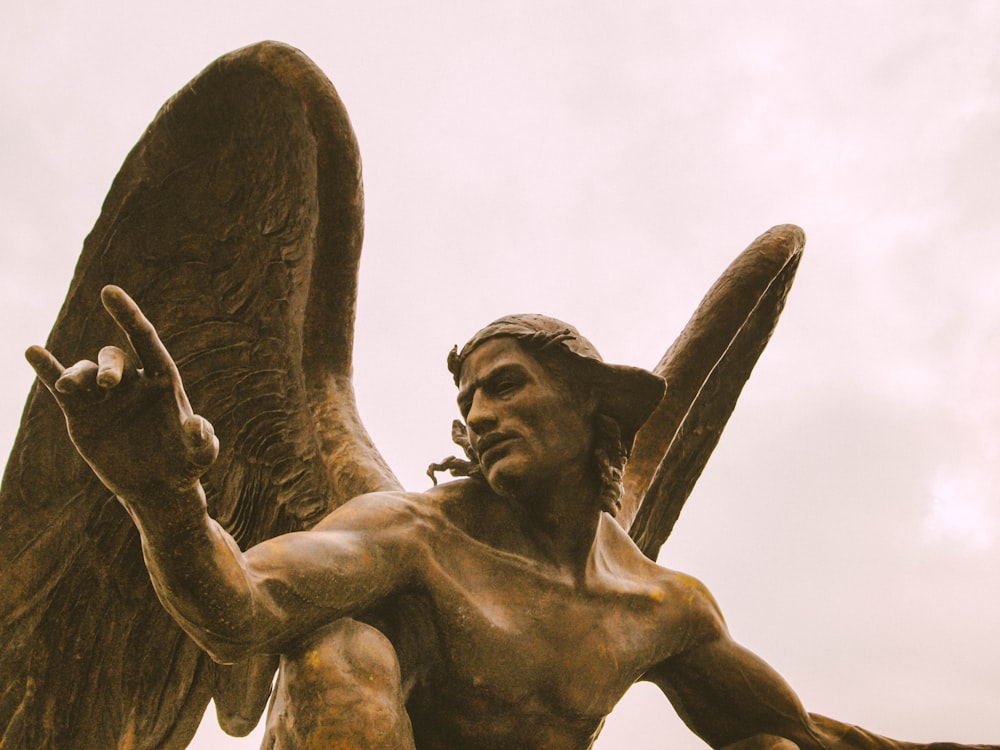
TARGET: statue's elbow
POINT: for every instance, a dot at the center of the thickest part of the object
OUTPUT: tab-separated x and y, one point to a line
225	650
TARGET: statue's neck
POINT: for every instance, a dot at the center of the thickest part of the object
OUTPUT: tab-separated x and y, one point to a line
563	523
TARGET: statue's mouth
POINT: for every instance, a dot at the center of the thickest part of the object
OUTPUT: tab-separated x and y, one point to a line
492	444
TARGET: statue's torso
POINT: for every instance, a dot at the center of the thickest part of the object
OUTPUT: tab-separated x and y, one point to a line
513	653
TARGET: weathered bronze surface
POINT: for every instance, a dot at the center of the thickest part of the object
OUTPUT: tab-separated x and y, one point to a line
505	609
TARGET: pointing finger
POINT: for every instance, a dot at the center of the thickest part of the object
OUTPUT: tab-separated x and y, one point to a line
45	365
140	332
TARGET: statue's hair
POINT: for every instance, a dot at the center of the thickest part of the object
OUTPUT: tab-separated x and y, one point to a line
610	453
535	342
454	465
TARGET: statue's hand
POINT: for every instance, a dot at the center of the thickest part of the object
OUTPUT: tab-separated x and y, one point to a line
128	414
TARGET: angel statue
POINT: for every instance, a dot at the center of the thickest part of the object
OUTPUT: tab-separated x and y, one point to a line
510	607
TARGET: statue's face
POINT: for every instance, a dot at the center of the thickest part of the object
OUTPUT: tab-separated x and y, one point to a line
529	431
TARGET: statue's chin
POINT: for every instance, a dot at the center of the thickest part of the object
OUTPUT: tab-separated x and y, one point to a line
508	484
501	485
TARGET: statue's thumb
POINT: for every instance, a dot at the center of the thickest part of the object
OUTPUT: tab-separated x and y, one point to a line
200	440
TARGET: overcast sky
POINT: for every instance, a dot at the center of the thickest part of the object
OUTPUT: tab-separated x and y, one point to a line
603	162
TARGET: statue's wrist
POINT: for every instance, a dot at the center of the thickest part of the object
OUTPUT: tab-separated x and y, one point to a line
165	509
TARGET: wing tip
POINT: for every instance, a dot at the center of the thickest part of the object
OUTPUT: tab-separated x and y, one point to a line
790	237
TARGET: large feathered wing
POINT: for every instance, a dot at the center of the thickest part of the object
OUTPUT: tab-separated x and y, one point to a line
236	223
706	369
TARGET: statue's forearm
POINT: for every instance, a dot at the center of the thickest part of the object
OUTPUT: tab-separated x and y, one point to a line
731	697
234	603
197	570
849	737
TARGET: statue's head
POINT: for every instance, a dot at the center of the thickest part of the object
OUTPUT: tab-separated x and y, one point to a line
569	381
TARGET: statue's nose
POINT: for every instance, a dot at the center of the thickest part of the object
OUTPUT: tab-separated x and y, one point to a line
481	417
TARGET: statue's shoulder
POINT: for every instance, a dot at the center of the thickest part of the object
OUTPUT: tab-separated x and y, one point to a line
686	600
460	494
463	486
680	594
466	503
382	511
442	500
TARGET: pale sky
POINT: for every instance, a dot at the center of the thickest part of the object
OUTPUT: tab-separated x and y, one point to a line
603	162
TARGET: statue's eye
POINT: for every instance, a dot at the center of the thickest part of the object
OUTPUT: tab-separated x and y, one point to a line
507	386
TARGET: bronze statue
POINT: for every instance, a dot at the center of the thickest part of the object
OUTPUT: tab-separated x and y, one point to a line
509	608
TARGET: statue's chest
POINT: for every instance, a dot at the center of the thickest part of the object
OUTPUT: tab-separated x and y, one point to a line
512	637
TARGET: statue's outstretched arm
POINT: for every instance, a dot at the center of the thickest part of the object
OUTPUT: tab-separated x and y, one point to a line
130	419
728	696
